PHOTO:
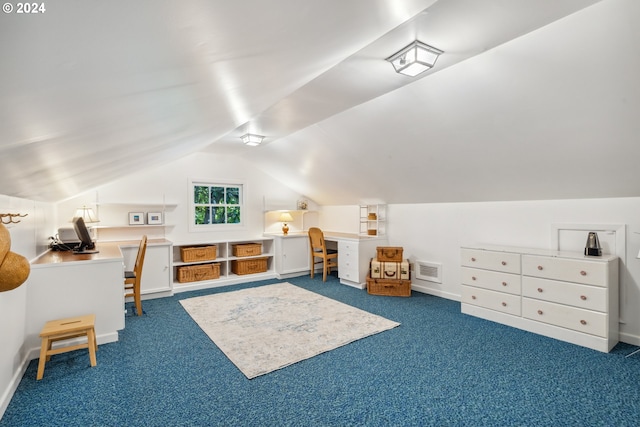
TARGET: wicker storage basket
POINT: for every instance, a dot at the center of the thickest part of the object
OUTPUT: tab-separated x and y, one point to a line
389	287
198	253
247	249
249	266
389	253
195	273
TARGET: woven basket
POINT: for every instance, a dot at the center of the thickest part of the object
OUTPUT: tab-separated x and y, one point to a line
389	287
249	266
198	253
247	249
196	273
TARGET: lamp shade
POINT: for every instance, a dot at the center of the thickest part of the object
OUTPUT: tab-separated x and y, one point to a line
286	217
414	59
86	214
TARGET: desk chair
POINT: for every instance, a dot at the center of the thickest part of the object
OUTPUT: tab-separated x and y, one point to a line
132	278
328	258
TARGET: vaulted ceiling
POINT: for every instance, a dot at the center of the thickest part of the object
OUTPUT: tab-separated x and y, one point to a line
532	99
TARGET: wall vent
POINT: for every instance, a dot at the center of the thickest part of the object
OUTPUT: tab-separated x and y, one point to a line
429	271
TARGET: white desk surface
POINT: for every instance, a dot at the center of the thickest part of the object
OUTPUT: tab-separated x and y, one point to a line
329	235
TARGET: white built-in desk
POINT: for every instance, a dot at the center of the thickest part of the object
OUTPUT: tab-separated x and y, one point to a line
354	254
64	284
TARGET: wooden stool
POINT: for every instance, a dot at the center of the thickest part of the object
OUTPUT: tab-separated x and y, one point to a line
64	329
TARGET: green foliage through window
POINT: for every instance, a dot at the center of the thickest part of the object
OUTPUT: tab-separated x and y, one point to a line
217	204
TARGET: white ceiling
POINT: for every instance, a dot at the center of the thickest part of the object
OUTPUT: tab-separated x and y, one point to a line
518	107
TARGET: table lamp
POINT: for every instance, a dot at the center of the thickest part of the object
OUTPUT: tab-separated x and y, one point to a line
284	219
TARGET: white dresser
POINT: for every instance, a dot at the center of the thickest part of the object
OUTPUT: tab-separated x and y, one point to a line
563	295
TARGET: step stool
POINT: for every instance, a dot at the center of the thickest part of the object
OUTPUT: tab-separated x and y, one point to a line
65	329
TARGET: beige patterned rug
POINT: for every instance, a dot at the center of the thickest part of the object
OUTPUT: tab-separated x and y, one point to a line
269	327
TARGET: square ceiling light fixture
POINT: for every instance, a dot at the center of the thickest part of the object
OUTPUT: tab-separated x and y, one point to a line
414	58
251	139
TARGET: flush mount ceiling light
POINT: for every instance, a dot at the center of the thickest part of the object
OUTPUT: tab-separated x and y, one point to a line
251	139
414	58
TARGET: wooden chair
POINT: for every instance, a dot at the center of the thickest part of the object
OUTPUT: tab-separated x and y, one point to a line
328	258
132	278
66	329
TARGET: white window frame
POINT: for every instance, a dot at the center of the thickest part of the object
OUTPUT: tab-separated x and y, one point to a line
217	183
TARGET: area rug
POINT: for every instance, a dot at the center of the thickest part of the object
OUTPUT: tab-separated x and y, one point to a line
269	327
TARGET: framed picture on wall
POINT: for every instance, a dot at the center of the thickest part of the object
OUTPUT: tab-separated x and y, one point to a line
136	218
154	218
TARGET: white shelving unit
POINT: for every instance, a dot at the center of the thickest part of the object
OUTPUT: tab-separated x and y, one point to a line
114	219
224	257
373	220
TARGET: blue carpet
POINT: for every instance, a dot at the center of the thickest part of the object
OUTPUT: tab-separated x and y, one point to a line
439	368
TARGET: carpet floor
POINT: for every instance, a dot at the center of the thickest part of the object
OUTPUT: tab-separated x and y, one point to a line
440	368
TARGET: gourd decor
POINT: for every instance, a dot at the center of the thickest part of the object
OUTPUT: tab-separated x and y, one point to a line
14	268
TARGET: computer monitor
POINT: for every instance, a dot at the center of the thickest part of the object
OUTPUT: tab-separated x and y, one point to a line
86	245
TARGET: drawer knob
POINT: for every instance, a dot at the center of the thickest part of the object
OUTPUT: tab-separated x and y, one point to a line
504	304
583	322
504	262
473	259
583	273
539	267
504	283
540	290
583	297
473	277
540	312
473	297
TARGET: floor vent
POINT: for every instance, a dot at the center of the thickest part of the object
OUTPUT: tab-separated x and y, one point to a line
430	271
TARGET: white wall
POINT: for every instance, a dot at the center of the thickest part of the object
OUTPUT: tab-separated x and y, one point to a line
435	232
170	183
28	238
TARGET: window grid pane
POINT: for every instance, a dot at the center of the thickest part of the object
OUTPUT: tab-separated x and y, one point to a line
217	204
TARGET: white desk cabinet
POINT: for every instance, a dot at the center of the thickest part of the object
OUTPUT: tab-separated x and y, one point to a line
354	255
292	255
563	295
156	271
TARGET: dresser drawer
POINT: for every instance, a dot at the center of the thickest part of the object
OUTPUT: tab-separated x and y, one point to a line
569	270
581	296
493	300
494	280
491	260
577	319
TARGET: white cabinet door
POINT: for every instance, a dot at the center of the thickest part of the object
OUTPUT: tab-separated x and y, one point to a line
156	271
292	254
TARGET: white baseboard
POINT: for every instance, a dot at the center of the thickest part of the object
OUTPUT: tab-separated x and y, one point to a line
7	394
435	292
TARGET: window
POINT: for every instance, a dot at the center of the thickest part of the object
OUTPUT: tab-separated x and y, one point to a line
216	204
